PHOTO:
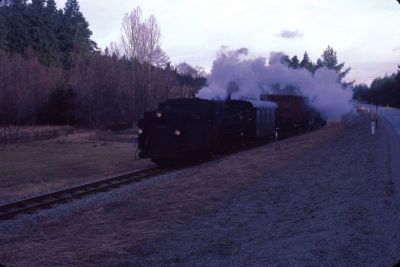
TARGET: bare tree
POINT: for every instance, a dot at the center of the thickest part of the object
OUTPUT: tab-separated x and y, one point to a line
192	71
132	35
114	49
140	42
132	43
191	79
160	59
152	35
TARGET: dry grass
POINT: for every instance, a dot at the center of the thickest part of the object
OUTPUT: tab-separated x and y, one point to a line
13	134
314	200
36	167
122	228
36	129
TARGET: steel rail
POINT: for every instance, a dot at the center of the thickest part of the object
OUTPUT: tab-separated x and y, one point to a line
10	210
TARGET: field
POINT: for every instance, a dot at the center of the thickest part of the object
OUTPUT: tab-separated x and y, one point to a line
326	198
13	134
30	168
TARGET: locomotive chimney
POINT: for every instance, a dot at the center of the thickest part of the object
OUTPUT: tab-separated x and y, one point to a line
232	87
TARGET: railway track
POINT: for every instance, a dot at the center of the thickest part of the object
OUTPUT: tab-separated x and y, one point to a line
28	205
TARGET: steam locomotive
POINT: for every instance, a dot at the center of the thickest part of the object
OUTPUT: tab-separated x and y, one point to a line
187	129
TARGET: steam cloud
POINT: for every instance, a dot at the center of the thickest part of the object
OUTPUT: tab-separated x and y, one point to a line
246	78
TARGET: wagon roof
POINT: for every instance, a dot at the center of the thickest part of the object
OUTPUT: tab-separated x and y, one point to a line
262	104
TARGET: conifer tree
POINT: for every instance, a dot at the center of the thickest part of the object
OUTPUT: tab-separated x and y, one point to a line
43	27
329	60
18	24
52	18
51	6
37	25
306	63
75	34
294	62
3	29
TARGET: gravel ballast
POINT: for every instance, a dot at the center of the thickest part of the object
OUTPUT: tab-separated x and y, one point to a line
326	198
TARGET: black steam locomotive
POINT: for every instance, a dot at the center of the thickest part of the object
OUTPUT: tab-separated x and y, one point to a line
185	129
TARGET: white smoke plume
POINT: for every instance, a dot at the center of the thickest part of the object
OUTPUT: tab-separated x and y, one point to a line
248	78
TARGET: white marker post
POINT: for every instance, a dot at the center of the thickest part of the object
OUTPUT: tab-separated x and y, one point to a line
277	145
372	126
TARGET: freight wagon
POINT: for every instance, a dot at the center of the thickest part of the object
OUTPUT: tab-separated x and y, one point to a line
292	111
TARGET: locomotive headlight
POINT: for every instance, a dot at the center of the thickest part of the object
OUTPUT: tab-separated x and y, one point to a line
177	132
140	131
158	114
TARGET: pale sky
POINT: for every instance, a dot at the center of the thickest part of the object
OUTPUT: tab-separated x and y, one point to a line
365	33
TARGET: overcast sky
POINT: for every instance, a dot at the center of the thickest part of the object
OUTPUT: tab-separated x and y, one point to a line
365	33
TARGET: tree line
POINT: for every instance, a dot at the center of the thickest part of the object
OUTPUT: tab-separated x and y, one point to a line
52	72
55	36
328	59
383	91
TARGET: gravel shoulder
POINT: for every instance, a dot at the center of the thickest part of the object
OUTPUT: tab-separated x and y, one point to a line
326	198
